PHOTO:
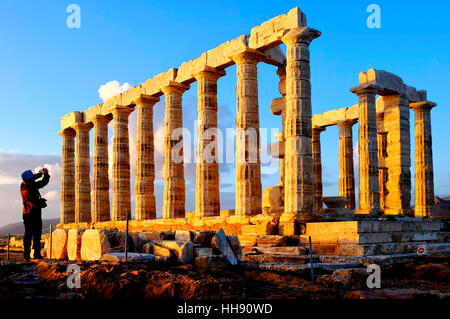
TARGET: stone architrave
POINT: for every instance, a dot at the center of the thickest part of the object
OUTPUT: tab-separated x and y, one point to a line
207	198
174	185
317	161
121	164
82	174
299	179
68	176
346	169
369	190
423	159
100	182
248	170
398	161
144	187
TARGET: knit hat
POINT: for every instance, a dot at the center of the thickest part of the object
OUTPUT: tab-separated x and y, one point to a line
27	175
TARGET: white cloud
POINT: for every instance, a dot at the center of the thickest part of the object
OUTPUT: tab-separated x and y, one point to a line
51	196
9	180
112	88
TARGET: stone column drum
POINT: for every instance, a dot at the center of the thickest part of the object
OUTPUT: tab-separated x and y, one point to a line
121	164
82	175
174	186
68	176
369	190
423	159
298	184
317	162
207	200
248	170
144	187
398	160
100	182
346	169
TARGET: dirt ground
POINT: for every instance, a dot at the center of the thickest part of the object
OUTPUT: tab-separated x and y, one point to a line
44	279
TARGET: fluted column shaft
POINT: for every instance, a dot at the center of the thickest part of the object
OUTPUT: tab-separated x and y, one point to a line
369	190
82	175
207	198
299	188
317	162
282	89
248	170
100	183
121	164
174	185
398	160
68	177
346	171
144	187
423	159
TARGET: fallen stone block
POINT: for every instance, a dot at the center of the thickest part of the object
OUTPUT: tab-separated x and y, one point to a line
247	240
184	251
141	238
167	235
271	240
183	235
288	251
94	244
261	229
131	257
203	251
117	241
224	247
203	238
74	244
214	262
59	244
235	245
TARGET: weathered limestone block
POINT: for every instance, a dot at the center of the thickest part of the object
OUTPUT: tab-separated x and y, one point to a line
68	176
369	190
144	188
235	245
82	174
140	238
248	170
59	244
184	250
94	244
207	200
203	251
203	238
247	240
298	162
317	162
174	186
271	240
183	235
100	184
272	200
265	219
211	262
284	251
423	160
224	247
74	244
121	164
346	171
261	229
131	257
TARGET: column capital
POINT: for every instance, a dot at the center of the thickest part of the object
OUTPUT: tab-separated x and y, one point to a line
82	126
248	56
302	35
146	100
424	105
68	132
209	72
175	87
121	109
365	89
346	123
99	118
318	129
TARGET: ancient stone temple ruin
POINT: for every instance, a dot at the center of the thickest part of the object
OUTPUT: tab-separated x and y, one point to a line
381	221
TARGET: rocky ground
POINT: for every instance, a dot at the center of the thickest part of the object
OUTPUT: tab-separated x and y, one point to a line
428	278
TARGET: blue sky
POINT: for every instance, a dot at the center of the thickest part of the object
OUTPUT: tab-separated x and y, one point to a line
48	70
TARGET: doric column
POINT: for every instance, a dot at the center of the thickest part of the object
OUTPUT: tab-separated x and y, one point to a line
144	187
346	171
121	164
423	159
299	188
207	200
68	176
100	183
174	187
248	170
281	71
369	190
317	162
82	175
398	159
